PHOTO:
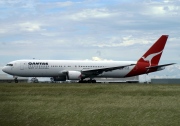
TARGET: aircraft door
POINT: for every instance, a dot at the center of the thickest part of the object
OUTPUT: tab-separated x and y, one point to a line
12	66
22	65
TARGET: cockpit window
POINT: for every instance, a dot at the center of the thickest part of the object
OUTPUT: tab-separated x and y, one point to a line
9	65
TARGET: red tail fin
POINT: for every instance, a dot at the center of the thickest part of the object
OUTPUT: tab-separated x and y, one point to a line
150	58
153	55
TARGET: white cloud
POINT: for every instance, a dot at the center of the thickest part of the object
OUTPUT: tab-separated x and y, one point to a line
22	43
64	4
92	13
30	27
10	1
122	41
2	31
19	28
161	8
99	59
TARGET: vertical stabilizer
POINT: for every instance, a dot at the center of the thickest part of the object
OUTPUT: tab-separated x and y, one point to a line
150	59
153	55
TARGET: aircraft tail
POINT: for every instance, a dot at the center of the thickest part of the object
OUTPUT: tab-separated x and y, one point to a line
149	61
153	55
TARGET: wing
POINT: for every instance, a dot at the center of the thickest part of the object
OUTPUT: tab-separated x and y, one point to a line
159	66
98	71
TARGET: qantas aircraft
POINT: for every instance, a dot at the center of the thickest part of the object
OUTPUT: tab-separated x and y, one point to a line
62	70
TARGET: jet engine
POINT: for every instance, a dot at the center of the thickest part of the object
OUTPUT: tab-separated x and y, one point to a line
74	75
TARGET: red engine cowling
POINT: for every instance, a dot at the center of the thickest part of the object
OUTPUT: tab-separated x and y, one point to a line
74	75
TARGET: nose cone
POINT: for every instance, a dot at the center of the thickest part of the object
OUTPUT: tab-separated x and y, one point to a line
4	69
8	70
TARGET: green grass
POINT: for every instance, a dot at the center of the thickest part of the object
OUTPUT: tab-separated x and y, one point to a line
89	105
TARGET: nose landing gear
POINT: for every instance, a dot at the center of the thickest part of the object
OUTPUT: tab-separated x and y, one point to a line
15	79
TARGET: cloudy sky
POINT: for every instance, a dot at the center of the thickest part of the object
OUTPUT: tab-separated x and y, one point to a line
85	29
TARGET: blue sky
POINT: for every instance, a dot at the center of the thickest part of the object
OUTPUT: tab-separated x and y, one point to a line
78	29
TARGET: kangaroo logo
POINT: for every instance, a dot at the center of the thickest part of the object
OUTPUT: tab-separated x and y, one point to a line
150	57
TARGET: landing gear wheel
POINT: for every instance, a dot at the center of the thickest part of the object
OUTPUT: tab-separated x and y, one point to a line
34	80
52	80
16	81
81	81
93	81
87	81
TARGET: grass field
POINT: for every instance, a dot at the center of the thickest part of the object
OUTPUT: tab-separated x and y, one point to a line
89	105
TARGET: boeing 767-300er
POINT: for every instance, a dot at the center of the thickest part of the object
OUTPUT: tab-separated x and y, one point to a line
62	70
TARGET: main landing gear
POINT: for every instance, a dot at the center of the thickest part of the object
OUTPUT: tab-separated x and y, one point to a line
16	80
34	80
87	81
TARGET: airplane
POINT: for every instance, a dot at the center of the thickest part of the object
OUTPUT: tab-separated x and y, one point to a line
63	70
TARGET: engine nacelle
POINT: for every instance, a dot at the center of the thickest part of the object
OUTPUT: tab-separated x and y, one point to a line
58	78
74	75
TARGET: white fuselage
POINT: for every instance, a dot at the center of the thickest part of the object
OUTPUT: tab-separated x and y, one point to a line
52	68
62	70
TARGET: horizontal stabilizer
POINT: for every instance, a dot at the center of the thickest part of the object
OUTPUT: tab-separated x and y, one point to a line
160	66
